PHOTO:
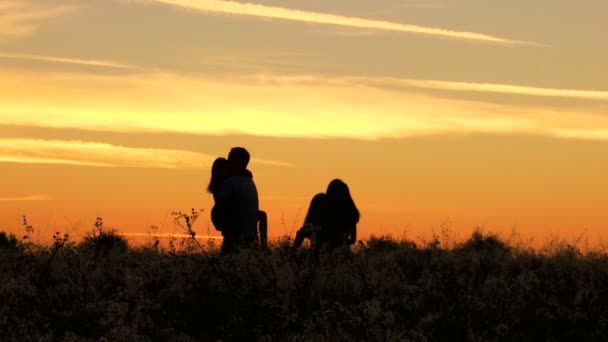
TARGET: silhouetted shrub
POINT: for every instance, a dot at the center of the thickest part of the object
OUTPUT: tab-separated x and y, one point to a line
104	241
8	240
489	243
382	243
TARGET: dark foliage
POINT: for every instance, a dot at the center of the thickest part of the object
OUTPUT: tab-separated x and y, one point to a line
104	241
382	290
8	240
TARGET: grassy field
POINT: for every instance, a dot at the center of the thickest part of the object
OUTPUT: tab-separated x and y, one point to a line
481	289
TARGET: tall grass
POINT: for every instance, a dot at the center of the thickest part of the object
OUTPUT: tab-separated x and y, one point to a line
481	289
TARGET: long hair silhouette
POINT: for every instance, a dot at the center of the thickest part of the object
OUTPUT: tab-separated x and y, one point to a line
219	172
343	215
340	199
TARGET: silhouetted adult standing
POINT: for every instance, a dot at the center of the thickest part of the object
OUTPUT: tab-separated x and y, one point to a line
238	196
239	157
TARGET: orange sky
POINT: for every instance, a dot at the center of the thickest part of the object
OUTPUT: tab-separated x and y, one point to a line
437	114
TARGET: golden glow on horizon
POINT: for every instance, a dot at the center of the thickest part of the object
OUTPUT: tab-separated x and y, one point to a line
239	8
173	235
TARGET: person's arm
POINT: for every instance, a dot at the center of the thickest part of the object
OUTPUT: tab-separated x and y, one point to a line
352	233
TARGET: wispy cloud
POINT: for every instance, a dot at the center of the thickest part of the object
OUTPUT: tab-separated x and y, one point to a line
495	88
7	158
82	153
395	8
96	154
25	198
424	5
258	10
20	18
498	88
588	134
310	106
64	60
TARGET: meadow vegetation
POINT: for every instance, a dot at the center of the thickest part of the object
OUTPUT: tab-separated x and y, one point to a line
481	289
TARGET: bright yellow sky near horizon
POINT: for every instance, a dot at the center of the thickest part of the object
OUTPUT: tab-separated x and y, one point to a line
437	113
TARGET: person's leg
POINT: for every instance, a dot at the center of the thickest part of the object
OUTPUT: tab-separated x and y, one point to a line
263	228
228	244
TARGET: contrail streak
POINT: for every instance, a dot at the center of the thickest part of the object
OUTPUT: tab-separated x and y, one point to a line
54	59
257	10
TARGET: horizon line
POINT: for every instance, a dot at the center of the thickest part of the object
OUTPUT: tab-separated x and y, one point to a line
174	235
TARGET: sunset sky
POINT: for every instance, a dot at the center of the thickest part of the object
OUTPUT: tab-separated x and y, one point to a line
437	113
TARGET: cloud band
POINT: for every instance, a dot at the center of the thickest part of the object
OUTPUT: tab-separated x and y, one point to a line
257	10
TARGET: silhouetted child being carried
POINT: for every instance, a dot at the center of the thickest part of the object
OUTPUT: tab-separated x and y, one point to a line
219	173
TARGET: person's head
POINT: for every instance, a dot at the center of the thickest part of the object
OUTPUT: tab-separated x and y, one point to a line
338	194
239	157
219	172
337	189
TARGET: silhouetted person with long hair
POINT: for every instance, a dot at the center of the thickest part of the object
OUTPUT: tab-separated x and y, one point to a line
331	220
219	172
343	215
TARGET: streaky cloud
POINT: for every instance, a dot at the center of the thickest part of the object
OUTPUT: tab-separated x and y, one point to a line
84	153
25	198
589	134
5	158
64	60
499	88
258	10
303	106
